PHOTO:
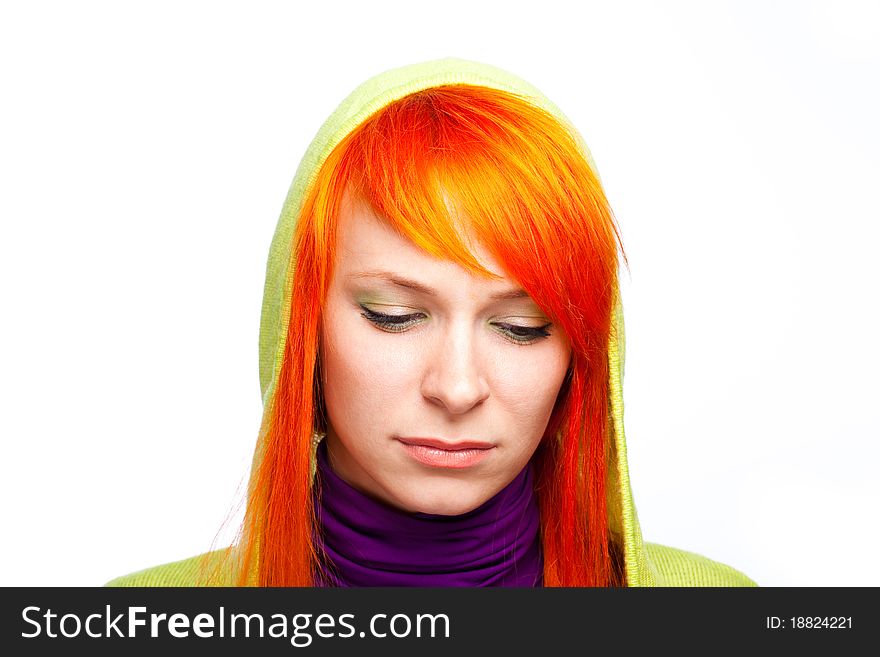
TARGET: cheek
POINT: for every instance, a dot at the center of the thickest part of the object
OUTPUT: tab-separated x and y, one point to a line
362	372
529	385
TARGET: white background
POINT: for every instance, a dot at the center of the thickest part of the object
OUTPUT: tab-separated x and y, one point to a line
145	152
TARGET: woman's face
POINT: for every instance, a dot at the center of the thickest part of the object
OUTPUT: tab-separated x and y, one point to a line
438	384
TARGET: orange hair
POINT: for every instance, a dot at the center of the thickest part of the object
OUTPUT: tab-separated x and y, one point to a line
531	198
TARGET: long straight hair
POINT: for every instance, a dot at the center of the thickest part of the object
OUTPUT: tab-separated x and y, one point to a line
523	184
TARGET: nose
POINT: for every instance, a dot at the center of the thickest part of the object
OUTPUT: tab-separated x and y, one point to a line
455	378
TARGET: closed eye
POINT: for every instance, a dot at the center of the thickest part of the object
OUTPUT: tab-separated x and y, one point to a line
390	322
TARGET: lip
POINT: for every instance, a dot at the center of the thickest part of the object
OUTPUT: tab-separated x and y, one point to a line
441	454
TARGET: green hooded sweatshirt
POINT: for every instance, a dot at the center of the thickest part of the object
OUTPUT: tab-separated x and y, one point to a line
646	564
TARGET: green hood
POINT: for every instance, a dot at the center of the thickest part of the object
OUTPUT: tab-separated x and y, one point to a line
369	97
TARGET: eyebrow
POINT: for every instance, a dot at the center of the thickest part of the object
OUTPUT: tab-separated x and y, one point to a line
403	281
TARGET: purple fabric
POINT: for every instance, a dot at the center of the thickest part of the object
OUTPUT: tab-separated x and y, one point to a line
370	543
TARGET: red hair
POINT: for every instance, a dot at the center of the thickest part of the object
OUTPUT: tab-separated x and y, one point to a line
529	195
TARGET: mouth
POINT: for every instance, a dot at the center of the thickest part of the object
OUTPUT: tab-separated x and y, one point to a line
437	453
448	446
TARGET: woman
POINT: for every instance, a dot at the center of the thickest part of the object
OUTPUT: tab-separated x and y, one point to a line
441	357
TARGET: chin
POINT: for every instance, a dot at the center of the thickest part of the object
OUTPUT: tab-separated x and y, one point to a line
444	505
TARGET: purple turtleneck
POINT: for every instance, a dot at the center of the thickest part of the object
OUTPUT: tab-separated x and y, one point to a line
370	543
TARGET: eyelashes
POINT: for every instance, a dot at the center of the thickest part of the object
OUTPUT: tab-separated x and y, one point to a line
521	335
